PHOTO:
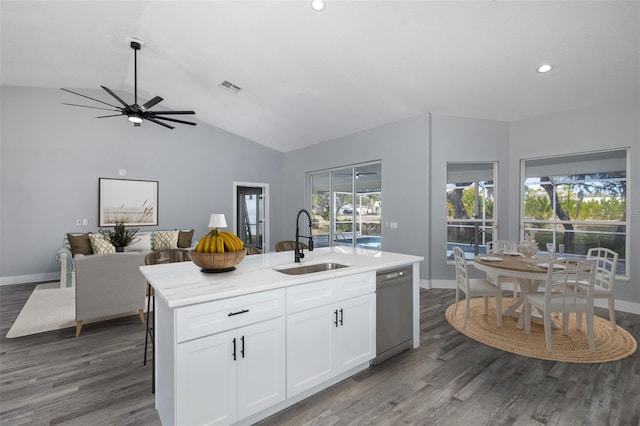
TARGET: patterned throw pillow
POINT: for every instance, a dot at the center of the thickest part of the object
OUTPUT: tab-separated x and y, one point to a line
100	245
166	240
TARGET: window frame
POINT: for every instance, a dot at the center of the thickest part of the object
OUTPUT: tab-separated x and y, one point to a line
556	224
482	225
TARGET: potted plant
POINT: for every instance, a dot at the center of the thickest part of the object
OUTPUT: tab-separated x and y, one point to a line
120	236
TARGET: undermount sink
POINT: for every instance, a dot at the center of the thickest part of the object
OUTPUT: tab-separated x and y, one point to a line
309	269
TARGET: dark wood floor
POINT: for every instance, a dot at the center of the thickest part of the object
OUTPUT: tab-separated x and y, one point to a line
98	379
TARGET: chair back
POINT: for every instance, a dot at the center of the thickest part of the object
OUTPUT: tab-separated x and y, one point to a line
167	256
288	245
570	284
498	246
252	249
462	277
606	262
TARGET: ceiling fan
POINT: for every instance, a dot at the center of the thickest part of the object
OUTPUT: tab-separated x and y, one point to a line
136	113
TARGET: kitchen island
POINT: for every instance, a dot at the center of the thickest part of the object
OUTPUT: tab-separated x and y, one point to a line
236	347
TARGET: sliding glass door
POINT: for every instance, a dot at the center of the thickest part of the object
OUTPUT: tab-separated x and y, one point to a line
346	204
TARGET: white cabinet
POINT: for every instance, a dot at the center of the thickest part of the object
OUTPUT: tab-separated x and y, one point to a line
230	358
324	341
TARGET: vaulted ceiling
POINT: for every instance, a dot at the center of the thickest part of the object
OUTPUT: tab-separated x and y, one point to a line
311	76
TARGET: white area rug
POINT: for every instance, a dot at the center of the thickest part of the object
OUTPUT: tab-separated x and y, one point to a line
49	308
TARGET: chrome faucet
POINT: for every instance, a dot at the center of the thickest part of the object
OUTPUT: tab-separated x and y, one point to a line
298	250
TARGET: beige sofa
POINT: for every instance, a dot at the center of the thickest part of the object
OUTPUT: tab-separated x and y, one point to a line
109	285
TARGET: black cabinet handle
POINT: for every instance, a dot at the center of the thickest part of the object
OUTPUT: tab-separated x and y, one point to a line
336	320
234	348
341	315
244	311
242	350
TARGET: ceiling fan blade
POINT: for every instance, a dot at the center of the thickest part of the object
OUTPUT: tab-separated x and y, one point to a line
88	97
174	120
159	122
169	112
88	106
114	115
152	102
109	91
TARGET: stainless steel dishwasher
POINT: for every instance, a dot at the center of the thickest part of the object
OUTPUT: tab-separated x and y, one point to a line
394	312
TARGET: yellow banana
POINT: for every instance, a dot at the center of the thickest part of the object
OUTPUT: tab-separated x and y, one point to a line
200	246
220	244
238	244
207	244
225	239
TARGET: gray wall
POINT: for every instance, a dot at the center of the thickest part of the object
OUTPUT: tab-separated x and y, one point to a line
600	127
52	156
403	149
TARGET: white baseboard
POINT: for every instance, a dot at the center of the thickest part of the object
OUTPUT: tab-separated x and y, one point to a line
33	278
620	305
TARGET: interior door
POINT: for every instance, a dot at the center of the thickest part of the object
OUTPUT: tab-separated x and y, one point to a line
250	215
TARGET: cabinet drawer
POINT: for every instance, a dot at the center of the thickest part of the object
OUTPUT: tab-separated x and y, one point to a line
320	293
311	295
213	317
356	285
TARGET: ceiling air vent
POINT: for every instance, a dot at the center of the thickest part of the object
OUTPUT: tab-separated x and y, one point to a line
230	86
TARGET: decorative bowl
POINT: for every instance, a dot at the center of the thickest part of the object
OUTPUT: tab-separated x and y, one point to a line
217	262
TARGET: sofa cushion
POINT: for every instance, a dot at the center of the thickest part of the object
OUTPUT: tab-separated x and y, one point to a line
185	238
141	242
165	240
100	245
80	244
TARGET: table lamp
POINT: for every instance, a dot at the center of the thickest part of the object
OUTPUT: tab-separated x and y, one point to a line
217	220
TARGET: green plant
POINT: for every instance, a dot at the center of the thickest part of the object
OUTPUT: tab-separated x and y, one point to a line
120	236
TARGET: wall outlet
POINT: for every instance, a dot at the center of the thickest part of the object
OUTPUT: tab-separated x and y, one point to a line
393	225
85	222
122	172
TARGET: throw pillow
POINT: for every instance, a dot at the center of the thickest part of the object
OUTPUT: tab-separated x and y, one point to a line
100	245
80	244
166	240
185	238
141	242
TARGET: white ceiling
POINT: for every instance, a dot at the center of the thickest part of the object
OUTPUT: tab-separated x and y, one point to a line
307	77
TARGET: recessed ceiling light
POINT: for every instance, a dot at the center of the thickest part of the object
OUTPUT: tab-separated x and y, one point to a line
317	5
544	68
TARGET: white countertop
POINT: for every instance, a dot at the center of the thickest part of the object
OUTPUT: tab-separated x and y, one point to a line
181	284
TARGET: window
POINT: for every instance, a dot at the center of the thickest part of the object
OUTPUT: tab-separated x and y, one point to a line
471	196
346	206
579	201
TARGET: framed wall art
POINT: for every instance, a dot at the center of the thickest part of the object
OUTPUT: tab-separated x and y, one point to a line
134	202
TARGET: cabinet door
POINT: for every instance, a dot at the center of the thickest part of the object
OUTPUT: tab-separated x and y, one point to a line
261	366
206	386
309	348
356	337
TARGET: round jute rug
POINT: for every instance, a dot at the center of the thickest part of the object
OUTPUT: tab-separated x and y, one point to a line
610	345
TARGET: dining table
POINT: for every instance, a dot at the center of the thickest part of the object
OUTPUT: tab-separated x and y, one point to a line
529	271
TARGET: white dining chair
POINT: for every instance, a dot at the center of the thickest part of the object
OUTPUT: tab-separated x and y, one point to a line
606	262
568	289
476	287
500	247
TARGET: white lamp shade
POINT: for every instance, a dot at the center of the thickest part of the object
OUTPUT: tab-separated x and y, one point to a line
217	220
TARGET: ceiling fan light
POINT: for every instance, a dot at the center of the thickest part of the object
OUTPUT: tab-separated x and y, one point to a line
135	119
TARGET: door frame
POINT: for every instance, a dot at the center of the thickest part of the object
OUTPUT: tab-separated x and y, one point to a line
266	243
